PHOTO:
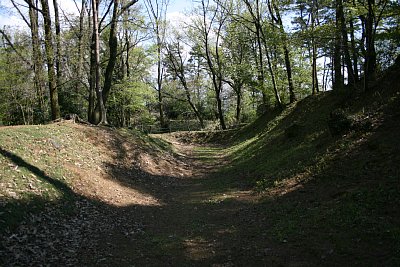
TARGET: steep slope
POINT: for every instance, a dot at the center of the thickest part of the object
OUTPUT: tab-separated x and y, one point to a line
329	170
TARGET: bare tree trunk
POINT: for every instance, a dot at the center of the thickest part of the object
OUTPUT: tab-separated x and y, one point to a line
261	75
80	47
160	84
288	65
354	51
215	73
99	118
370	57
92	79
238	105
272	73
258	25
338	78
157	14
315	87
343	28
128	48
55	108
58	43
37	61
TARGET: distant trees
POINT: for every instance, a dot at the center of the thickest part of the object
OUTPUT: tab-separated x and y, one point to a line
230	59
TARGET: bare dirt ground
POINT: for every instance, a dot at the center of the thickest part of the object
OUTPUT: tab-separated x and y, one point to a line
171	213
136	206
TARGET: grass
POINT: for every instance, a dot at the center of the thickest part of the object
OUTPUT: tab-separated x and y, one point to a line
30	171
337	195
40	165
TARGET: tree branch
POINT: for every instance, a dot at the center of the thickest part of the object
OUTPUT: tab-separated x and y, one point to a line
13	48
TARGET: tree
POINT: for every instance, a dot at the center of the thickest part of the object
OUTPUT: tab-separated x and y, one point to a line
157	13
210	24
99	116
52	79
257	19
237	61
176	64
276	16
37	59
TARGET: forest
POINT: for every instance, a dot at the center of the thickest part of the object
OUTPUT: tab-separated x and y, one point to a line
238	133
126	64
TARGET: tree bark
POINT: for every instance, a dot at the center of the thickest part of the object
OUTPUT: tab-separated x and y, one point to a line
158	18
314	11
37	61
292	95
215	74
55	108
345	41
354	51
370	58
80	48
100	116
58	42
338	78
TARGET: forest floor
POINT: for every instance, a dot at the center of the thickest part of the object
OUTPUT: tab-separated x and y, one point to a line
135	207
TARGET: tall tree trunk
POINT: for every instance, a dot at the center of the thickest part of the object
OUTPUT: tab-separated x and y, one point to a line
55	108
58	43
128	48
345	41
157	13
99	117
113	47
80	48
315	85
92	80
256	16
272	73
370	59
238	104
261	75
215	74
354	51
160	83
37	61
338	80
288	65
314	11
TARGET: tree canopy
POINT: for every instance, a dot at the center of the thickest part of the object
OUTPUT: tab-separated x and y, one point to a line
122	62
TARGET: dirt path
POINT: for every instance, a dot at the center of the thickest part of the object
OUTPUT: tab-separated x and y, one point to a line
138	207
193	220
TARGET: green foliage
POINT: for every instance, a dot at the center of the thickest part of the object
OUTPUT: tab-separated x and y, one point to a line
130	100
17	96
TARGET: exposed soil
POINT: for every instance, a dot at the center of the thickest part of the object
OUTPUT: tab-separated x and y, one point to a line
140	207
169	214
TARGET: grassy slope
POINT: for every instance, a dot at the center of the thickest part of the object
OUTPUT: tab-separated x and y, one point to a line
334	198
45	166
